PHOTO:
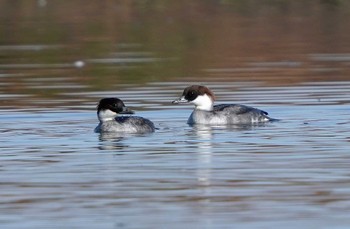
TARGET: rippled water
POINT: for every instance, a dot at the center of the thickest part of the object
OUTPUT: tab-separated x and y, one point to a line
290	58
286	174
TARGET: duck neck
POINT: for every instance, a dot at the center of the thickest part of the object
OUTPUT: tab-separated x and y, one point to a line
204	103
106	115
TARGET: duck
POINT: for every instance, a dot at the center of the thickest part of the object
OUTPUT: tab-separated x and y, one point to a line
205	112
108	113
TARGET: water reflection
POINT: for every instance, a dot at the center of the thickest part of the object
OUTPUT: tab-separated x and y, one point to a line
118	141
204	154
112	141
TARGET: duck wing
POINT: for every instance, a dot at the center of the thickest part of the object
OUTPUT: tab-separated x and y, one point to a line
237	109
135	120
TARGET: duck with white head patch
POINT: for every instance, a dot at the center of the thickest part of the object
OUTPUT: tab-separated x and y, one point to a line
107	113
205	112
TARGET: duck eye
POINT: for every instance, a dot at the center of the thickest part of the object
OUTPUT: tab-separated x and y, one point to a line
191	95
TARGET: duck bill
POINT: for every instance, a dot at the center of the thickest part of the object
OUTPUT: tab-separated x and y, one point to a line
127	110
180	100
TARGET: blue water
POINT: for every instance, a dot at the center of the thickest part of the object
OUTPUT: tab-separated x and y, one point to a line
56	171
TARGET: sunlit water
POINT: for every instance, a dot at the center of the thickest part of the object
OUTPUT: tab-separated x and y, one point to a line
56	171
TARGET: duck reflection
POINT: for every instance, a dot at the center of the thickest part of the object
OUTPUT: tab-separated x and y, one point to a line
204	145
204	135
112	141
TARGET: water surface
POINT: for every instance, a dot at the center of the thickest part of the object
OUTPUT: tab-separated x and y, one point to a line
288	173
